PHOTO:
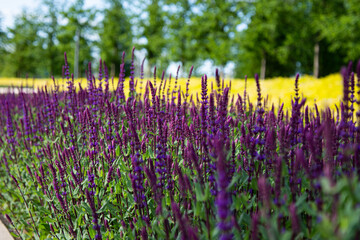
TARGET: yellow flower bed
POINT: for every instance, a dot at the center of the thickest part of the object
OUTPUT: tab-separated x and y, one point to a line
326	91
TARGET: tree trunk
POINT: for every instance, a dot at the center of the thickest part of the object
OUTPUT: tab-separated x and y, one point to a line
316	59
263	68
76	60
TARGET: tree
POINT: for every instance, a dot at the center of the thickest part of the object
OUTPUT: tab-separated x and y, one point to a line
216	24
339	24
50	26
153	29
268	42
26	53
182	46
74	37
325	60
3	45
283	36
115	35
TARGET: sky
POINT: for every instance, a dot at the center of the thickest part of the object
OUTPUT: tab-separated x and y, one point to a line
10	8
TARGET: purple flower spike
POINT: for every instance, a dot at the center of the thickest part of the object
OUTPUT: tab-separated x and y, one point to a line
294	219
254	226
223	199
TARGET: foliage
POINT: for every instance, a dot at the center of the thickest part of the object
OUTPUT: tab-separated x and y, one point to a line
153	28
285	33
281	33
50	26
26	47
182	30
80	23
216	30
339	26
3	41
115	35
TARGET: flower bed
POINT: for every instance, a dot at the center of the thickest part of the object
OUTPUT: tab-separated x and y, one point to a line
95	163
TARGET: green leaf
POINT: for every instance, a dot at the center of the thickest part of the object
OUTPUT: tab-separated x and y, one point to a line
86	207
200	196
117	151
92	232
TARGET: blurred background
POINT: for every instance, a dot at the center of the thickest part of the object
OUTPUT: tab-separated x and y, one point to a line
240	37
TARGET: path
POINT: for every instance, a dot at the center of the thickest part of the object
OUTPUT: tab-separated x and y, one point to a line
4	233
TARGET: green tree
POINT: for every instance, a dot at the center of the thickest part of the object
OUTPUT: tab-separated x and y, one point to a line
215	29
3	45
26	55
285	36
325	59
153	29
339	24
115	35
50	26
74	36
182	46
268	42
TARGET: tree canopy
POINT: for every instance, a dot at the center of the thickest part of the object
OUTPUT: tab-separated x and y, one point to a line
270	37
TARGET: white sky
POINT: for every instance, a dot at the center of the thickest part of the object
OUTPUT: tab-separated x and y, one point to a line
10	8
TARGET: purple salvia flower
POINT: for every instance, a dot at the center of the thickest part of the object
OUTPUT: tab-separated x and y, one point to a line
187	88
144	234
264	194
154	76
109	175
223	199
120	87
141	76
9	126
76	179
62	176
66	67
259	128
254	226
204	121
118	173
186	230
217	79
91	185
62	202
12	223
106	79
151	176
132	72
192	155
161	152
211	117
96	226
29	171
27	124
6	164
278	182
137	179
294	219
9	219
15	181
